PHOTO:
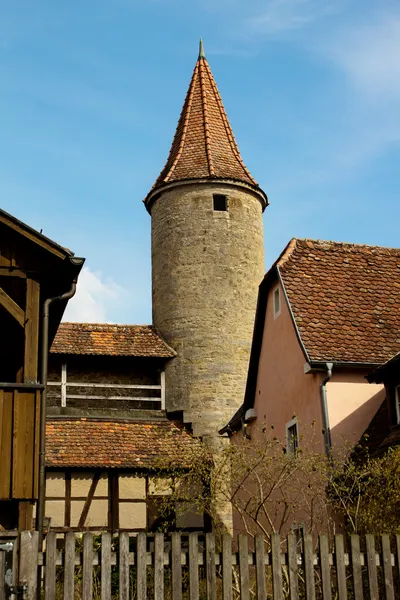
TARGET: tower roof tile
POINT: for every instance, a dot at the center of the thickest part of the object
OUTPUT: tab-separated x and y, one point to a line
204	146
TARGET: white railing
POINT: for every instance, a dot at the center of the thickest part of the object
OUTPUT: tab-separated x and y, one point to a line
66	395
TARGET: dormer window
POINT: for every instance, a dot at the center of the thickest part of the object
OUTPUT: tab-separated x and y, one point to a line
220	202
276	298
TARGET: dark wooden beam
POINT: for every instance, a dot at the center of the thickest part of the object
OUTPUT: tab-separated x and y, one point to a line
12	272
12	307
34	237
31	331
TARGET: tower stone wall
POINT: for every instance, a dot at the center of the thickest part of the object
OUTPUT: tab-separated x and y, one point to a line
206	269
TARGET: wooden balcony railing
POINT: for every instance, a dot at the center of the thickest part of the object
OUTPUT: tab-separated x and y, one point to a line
109	392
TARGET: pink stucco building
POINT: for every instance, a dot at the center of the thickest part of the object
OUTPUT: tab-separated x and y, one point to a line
328	314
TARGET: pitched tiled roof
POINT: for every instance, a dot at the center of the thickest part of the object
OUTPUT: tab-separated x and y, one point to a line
94	443
204	146
345	299
110	340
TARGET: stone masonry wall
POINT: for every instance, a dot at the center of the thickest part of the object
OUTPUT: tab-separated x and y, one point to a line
206	268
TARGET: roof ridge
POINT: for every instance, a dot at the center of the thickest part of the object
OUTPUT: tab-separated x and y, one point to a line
201	62
106	324
350	244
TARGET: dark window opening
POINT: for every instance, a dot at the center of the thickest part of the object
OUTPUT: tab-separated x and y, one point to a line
220	202
292	439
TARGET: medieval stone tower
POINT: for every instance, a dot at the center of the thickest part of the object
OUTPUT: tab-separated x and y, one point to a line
207	259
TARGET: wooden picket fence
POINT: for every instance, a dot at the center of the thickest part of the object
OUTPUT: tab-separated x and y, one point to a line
193	566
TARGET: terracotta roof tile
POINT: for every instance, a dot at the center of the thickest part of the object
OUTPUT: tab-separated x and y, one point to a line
110	340
204	146
345	299
94	443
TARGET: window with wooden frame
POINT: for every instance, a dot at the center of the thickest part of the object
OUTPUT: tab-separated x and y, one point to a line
292	436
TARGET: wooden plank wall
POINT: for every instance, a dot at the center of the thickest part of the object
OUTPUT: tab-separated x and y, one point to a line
19	444
196	566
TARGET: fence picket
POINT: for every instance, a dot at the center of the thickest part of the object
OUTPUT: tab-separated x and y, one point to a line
159	566
176	566
387	567
87	570
2	574
325	568
267	567
372	572
276	566
309	566
356	567
69	566
211	580
123	566
244	566
260	567
340	566
141	568
398	558
293	567
50	570
28	562
105	567
227	567
193	566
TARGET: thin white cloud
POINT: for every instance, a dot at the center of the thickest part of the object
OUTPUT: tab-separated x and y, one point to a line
279	16
369	54
94	298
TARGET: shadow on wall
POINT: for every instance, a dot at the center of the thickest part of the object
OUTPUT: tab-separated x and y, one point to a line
350	429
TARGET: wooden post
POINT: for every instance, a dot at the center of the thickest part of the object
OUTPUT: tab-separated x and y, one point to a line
50	569
176	566
243	566
372	571
105	566
309	567
293	568
87	570
123	566
158	566
387	567
227	567
28	562
2	574
193	566
141	567
211	579
340	566
63	385
69	566
276	566
31	355
356	567
325	568
162	390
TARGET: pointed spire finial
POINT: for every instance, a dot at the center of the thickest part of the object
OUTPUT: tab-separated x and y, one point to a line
201	49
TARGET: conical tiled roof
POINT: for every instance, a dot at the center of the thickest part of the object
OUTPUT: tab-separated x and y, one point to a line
204	146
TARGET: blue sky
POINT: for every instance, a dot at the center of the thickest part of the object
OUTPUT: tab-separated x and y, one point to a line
90	94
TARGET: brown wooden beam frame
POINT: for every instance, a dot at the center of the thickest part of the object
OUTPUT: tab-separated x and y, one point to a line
12	272
12	307
34	237
31	354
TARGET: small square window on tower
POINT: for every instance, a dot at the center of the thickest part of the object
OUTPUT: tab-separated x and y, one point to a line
220	202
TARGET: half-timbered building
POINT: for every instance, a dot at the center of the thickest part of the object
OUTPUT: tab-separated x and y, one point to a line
107	429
